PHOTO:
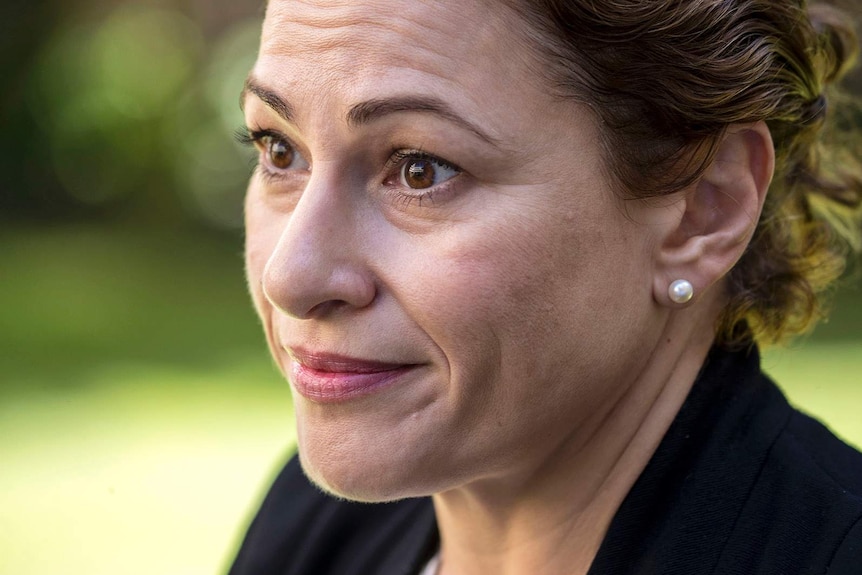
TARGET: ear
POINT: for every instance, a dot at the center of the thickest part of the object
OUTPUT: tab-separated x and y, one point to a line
717	215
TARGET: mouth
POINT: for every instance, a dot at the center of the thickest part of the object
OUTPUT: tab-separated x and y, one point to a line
330	378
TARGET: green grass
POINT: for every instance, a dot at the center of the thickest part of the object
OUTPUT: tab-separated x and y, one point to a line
146	470
139	412
141	417
824	380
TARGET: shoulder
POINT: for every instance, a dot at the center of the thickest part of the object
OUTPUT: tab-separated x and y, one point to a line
804	512
300	530
741	483
825	481
848	556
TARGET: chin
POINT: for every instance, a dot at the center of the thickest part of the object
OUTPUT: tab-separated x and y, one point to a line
371	474
372	451
358	480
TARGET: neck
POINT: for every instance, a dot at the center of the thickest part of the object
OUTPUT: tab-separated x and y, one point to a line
551	516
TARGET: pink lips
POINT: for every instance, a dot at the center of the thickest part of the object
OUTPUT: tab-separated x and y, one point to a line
328	378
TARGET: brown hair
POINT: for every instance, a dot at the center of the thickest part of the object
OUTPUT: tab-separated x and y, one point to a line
666	78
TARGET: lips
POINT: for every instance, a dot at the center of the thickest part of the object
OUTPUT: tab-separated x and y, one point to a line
330	378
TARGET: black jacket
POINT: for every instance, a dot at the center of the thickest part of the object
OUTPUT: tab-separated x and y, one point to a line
741	484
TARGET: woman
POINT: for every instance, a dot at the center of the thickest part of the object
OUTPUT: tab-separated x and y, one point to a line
514	257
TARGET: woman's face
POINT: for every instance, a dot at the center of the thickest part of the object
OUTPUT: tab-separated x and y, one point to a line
441	267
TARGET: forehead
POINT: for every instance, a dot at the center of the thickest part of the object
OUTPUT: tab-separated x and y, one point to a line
353	49
442	28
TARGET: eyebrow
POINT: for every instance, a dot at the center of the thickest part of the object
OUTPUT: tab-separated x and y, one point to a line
367	112
268	97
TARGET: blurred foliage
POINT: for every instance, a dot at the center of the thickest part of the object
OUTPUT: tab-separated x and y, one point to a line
125	110
84	295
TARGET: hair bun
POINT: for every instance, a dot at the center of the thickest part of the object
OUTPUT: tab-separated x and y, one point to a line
816	110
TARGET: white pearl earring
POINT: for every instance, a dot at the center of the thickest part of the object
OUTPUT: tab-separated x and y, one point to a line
680	291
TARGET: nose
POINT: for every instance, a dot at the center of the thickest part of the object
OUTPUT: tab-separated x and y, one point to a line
317	265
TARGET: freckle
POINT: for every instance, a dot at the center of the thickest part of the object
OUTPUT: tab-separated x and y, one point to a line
668	340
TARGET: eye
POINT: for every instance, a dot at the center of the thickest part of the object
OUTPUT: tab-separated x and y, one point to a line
277	153
420	171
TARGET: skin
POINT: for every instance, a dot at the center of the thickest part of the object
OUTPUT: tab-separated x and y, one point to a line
531	299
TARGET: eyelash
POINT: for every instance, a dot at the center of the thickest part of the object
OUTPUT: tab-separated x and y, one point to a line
253	137
395	164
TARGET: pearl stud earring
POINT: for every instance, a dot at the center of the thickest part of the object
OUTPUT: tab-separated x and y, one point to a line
680	291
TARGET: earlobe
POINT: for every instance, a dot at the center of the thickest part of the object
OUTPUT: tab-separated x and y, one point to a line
718	216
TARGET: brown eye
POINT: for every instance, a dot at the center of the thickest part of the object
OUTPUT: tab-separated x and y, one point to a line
280	153
419	174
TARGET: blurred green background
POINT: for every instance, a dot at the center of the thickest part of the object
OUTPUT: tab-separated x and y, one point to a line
140	416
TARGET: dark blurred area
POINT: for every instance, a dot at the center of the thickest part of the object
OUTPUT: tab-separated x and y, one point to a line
122	110
121	184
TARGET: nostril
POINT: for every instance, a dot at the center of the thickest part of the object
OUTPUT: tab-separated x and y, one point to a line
326	308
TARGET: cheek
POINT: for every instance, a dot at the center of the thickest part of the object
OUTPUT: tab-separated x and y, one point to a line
539	296
505	272
538	325
491	293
